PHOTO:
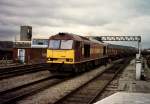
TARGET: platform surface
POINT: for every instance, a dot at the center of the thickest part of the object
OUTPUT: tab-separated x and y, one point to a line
131	91
126	98
128	83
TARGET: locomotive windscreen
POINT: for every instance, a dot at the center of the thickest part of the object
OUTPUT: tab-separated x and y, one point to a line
54	44
66	44
60	44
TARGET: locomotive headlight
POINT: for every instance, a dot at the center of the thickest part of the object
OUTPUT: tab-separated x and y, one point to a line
51	59
69	60
48	59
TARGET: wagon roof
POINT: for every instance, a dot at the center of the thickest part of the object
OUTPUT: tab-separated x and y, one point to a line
96	41
120	46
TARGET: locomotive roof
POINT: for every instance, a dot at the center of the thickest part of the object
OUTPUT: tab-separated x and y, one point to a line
76	37
96	41
69	36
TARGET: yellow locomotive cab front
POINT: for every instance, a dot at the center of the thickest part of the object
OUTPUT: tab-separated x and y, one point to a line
60	56
60	51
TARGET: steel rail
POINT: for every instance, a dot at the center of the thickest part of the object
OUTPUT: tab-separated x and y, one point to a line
17	93
74	97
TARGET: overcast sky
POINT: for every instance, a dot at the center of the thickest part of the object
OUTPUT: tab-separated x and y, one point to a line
83	17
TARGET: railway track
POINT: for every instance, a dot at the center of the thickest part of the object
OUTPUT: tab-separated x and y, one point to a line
111	88
12	95
20	70
87	93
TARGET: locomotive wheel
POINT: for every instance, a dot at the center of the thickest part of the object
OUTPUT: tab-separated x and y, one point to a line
82	67
79	68
85	67
88	66
76	70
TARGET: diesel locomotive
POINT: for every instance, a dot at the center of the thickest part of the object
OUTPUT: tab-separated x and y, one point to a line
74	53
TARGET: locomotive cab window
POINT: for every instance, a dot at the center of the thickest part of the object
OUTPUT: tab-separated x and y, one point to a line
54	44
86	50
66	44
60	44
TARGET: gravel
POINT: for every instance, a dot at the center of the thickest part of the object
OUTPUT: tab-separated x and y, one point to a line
9	83
52	94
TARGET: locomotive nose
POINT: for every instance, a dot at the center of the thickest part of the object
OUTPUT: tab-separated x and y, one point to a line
61	56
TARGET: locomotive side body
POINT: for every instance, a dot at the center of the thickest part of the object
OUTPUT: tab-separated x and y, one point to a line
73	52
69	52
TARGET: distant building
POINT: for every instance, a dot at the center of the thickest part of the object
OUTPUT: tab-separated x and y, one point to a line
22	44
28	50
6	45
6	48
25	33
34	51
39	43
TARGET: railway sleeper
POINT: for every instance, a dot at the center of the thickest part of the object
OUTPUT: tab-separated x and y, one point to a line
89	91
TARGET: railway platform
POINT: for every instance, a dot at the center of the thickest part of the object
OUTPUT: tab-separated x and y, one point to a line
130	90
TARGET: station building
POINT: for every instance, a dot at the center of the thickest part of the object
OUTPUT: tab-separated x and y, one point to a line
6	48
29	50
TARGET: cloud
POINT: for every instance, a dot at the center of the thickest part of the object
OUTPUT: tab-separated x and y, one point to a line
81	17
